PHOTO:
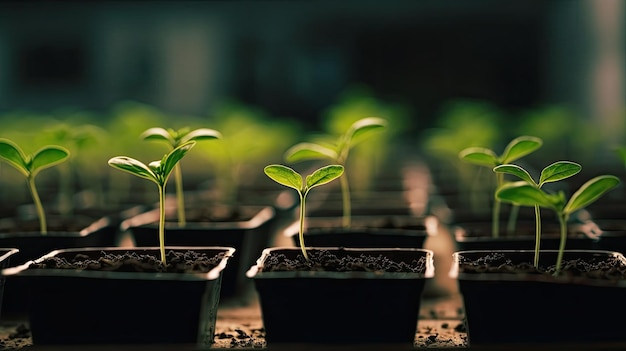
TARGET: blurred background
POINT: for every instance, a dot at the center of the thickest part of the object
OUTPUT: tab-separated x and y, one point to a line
549	68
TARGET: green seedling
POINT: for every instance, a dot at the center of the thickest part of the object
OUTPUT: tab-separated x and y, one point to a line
337	152
526	194
157	172
174	138
288	177
30	166
557	171
516	149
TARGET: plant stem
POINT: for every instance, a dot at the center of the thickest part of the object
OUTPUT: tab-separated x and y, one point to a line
345	195
495	216
180	197
510	228
43	227
563	226
162	222
537	235
301	233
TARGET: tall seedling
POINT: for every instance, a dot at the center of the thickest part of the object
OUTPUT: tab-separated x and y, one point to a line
157	172
516	149
175	138
526	194
557	171
288	177
337	152
30	166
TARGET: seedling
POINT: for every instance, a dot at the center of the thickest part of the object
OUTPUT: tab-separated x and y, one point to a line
174	138
557	171
337	152
30	166
516	149
288	177
526	194
157	172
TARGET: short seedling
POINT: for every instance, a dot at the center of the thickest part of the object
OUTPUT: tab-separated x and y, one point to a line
516	149
157	172
292	179
174	138
557	171
526	194
337	152
30	166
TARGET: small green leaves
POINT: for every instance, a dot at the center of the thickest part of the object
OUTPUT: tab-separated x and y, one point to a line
156	171
520	147
516	171
178	137
364	128
29	166
524	194
590	192
516	149
285	176
288	177
323	175
309	151
558	171
480	156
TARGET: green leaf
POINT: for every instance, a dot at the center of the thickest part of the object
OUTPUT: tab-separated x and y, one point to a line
133	166
621	152
590	192
11	153
364	128
558	171
480	156
323	176
46	157
173	157
310	151
158	134
285	176
516	171
201	134
524	194
520	147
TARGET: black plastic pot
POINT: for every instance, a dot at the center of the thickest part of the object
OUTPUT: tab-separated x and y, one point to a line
5	258
249	235
477	236
71	306
32	245
539	308
342	307
365	231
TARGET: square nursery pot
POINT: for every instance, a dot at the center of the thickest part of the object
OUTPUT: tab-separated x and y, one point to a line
247	229
365	231
477	236
507	301
352	296
63	232
106	304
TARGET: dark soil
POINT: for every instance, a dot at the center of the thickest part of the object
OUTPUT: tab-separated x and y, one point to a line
606	268
177	262
323	260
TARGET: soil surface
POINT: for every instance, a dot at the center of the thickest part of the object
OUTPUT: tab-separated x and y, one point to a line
611	268
177	262
324	260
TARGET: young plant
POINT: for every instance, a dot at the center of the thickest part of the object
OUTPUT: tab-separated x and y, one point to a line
288	177
556	171
337	152
157	172
30	166
174	138
516	149
526	194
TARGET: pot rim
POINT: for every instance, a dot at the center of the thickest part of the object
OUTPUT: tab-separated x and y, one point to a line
545	278
22	270
429	271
